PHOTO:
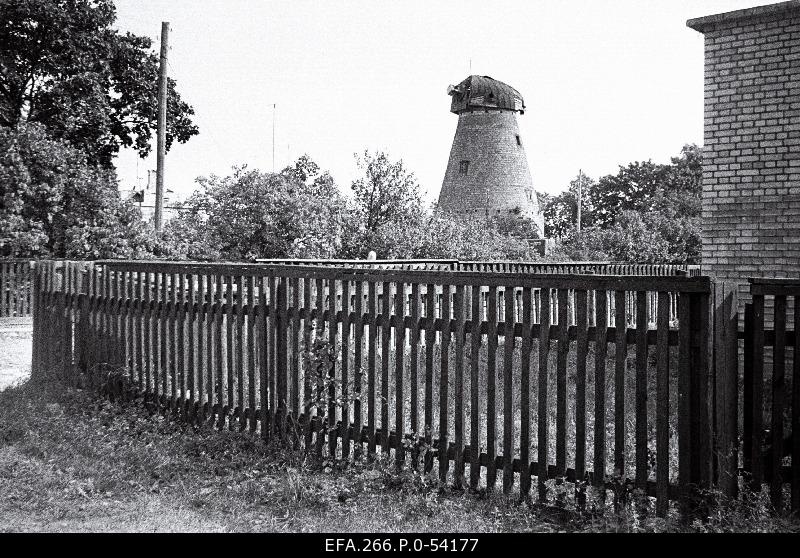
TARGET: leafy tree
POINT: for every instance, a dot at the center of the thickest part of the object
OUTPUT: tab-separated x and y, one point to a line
515	225
444	236
251	214
54	204
387	193
63	65
561	211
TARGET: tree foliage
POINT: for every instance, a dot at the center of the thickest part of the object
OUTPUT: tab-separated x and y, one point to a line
443	236
63	65
54	204
251	214
645	213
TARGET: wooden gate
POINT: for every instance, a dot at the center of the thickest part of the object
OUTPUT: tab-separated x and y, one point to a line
771	421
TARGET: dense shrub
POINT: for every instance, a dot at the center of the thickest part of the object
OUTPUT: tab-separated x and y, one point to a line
56	205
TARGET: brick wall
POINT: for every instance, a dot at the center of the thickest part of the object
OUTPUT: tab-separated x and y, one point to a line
497	177
751	153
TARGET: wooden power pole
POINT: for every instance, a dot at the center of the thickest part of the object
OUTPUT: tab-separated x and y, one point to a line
161	125
580	199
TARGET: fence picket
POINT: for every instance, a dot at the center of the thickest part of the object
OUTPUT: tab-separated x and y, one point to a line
542	440
778	402
662	406
491	394
475	343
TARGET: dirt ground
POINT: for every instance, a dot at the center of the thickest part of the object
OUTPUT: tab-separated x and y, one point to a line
15	357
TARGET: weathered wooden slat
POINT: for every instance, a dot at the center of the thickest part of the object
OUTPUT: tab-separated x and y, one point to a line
386	332
458	388
282	354
240	343
192	356
757	391
491	392
726	374
444	434
582	349
332	334
358	368
684	399
219	350
345	370
641	389
141	355
620	378
230	353
251	355
703	395
561	386
778	402
747	393
525	393
430	315
475	343
662	407
308	378
174	351
294	348
165	334
274	358
211	349
542	419
600	352
796	409
155	323
399	370
414	370
199	341
372	351
508	389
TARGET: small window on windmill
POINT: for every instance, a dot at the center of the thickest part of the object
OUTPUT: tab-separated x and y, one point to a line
519	141
463	167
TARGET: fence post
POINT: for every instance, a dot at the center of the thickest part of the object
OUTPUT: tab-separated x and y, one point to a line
37	322
82	327
726	389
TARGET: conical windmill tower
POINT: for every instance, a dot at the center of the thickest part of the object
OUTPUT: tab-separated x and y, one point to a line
488	173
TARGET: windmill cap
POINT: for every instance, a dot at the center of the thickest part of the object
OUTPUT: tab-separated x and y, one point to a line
477	92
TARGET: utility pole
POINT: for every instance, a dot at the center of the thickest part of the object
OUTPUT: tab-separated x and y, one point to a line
162	124
580	199
273	137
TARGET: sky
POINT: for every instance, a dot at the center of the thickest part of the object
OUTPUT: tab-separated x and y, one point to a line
605	82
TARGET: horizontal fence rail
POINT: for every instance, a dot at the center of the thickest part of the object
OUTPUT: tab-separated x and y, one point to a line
771	390
596	268
556	383
16	288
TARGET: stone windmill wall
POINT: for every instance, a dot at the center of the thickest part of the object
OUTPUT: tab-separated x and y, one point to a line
488	173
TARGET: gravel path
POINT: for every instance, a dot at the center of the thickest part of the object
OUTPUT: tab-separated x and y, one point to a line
15	357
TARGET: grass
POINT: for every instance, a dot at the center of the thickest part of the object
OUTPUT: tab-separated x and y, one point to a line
72	462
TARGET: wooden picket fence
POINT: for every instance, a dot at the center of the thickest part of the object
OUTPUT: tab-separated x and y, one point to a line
770	351
16	288
500	378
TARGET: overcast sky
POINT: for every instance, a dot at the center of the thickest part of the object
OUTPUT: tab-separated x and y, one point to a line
605	82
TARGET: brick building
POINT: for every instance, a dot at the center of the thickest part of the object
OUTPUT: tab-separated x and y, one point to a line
488	173
751	153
